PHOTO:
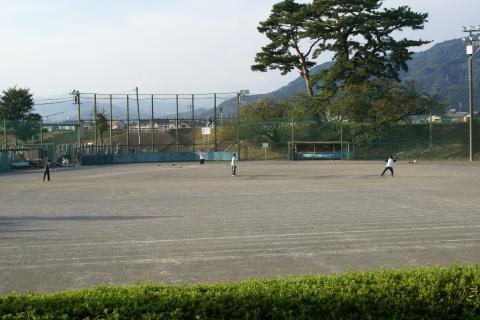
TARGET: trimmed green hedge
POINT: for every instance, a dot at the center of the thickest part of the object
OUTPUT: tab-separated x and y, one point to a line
426	293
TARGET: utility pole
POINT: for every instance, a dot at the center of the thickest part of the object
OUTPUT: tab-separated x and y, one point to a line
472	40
138	116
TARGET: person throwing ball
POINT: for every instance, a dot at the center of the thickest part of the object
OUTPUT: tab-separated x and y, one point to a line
389	166
234	165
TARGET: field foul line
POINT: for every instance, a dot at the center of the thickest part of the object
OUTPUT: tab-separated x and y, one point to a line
233	254
238	237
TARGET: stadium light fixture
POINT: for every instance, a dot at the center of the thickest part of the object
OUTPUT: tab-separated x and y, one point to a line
471	41
240	100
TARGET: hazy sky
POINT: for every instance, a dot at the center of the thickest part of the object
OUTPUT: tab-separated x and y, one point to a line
163	46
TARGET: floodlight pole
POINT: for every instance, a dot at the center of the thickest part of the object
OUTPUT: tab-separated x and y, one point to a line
470	106
471	40
240	100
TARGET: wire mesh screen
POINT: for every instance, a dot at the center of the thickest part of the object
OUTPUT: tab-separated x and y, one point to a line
425	140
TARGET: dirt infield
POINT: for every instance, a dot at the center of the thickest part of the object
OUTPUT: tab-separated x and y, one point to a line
185	224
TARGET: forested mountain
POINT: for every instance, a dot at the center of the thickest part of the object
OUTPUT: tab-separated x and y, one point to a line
441	70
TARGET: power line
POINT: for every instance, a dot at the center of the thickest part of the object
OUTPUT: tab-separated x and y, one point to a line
56	102
52	99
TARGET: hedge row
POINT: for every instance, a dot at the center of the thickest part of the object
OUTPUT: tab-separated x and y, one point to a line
426	293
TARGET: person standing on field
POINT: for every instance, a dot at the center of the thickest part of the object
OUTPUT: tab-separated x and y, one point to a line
234	165
46	173
201	153
389	166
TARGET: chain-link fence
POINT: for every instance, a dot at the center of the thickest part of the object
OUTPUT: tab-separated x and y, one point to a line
300	138
285	138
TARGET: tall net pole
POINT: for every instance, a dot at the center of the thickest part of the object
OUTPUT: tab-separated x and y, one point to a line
111	121
151	125
193	122
95	116
138	117
128	123
176	122
215	120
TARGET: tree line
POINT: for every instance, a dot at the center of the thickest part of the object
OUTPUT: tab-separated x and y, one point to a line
17	110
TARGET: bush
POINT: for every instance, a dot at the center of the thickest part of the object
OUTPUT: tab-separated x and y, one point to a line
426	293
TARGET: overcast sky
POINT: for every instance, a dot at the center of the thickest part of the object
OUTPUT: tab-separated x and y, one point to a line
162	46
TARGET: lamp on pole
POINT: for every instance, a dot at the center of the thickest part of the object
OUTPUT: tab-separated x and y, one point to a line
471	40
240	100
76	96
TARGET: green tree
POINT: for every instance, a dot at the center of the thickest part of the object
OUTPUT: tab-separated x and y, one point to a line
102	124
382	101
26	129
368	108
16	105
291	42
264	121
360	34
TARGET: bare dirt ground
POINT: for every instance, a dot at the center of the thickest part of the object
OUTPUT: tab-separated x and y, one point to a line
180	223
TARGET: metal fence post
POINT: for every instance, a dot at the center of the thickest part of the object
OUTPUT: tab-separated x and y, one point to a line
430	136
341	138
79	133
111	121
215	120
293	140
153	129
176	123
95	116
193	122
41	133
238	127
5	132
128	124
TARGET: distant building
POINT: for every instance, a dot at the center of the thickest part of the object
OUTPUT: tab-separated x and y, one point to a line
416	118
434	119
456	116
68	125
119	124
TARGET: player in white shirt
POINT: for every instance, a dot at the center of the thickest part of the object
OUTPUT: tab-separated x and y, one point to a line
234	165
389	166
202	154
